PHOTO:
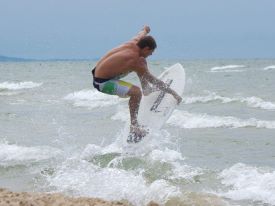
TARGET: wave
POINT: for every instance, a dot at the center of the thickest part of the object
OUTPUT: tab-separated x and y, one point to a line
230	68
184	119
269	67
109	183
116	176
229	71
19	85
12	154
122	115
247	182
7	93
175	159
92	99
254	102
205	99
257	102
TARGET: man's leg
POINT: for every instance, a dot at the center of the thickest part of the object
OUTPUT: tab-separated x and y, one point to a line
134	102
135	97
125	89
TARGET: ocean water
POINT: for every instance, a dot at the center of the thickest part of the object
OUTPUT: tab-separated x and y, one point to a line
58	134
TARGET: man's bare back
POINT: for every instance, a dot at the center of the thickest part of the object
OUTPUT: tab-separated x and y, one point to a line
120	60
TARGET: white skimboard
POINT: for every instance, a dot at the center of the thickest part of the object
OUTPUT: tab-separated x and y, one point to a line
157	107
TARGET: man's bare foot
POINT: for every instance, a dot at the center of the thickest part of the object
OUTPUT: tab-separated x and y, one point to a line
136	133
139	130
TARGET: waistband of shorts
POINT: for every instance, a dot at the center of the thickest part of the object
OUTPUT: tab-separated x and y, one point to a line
98	80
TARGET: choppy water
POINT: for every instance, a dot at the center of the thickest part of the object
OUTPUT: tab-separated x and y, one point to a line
218	148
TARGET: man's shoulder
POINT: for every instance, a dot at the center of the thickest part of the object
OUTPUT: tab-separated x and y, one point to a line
136	59
129	45
139	64
141	61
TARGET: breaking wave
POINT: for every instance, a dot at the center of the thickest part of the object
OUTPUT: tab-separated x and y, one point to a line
248	182
227	68
184	119
254	102
12	154
92	99
18	85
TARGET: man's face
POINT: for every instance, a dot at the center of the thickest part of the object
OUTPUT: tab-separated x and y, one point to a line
147	52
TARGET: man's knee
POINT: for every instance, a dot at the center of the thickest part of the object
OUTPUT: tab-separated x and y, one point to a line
135	92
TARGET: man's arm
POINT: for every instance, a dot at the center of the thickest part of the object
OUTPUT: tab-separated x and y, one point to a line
161	86
145	76
146	87
142	33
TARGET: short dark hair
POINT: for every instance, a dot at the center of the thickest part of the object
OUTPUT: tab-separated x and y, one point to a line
147	41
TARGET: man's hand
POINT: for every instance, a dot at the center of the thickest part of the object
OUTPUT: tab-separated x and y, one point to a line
146	29
178	98
148	90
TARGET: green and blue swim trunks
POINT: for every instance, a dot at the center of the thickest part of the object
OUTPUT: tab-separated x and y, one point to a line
112	86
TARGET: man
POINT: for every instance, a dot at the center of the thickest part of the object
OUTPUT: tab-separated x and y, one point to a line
120	61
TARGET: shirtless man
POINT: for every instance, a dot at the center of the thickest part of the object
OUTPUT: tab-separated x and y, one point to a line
120	61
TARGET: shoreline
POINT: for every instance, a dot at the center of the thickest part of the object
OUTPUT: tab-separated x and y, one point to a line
9	198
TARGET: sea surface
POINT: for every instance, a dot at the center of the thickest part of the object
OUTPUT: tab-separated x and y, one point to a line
58	134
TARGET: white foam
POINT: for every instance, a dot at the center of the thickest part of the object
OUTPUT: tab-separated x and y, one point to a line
12	154
90	151
247	182
122	115
257	102
6	93
188	120
269	67
227	67
228	71
19	85
92	99
205	99
84	178
254	102
117	181
179	169
165	156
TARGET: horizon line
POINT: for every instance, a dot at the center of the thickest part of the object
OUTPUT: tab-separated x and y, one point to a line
4	58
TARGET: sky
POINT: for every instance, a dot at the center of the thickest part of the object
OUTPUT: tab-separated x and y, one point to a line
187	29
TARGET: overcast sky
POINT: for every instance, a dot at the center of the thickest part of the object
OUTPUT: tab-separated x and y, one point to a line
183	29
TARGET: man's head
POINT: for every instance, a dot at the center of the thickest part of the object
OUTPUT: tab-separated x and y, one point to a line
147	45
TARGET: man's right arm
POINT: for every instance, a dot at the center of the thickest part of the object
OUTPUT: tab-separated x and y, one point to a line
142	33
162	86
146	76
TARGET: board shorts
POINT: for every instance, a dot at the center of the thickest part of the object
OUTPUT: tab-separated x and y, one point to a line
112	86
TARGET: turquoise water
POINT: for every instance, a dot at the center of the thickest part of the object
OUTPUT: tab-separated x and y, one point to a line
59	134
